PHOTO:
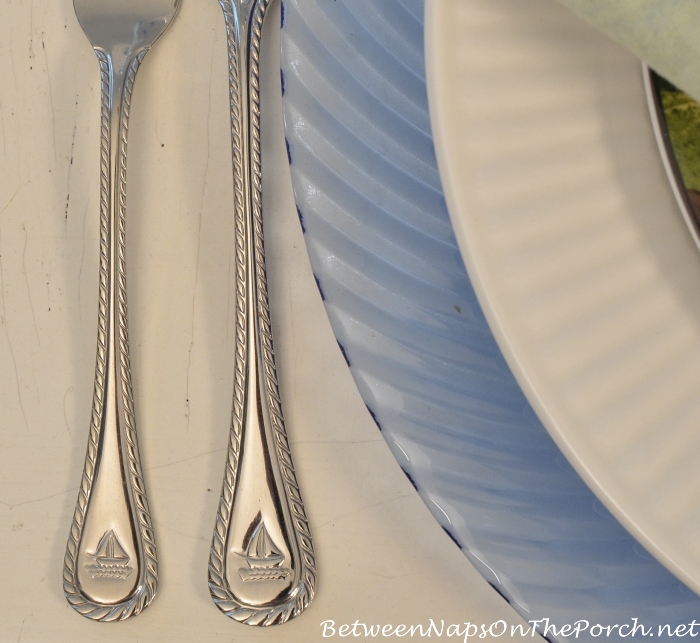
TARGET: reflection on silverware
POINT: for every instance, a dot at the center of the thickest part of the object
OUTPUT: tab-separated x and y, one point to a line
262	568
110	568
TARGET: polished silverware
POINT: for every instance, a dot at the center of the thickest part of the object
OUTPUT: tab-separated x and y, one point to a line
262	569
110	569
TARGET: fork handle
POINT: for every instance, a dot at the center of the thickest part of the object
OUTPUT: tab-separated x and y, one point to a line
261	567
110	568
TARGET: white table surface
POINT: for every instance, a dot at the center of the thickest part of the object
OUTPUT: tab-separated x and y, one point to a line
381	556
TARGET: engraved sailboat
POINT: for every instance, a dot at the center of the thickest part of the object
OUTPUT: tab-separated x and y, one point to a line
111	560
263	557
110	551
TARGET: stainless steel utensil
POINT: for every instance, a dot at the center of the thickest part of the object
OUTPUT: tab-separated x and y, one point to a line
110	569
262	568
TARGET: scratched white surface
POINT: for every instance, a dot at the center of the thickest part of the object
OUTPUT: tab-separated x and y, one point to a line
381	556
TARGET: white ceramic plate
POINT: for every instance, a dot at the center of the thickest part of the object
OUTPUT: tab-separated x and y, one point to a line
577	250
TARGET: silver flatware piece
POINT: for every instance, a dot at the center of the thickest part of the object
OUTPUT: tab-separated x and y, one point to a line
262	568
110	567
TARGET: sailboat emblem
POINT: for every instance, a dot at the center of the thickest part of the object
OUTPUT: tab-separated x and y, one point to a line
263	557
111	561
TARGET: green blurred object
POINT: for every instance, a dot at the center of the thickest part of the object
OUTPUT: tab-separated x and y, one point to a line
682	115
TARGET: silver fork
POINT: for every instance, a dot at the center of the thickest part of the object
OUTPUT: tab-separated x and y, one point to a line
110	570
262	568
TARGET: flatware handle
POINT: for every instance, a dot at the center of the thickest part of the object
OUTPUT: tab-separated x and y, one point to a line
262	568
110	568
